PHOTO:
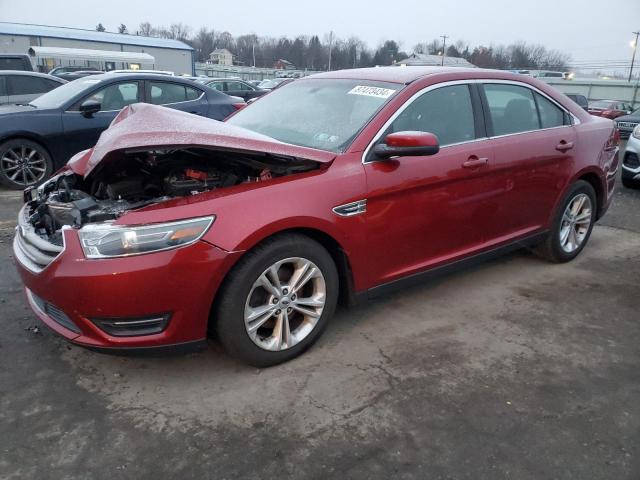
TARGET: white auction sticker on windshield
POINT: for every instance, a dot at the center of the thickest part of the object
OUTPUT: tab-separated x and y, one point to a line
371	91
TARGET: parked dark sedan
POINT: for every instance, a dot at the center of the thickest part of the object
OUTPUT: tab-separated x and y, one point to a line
39	137
19	86
626	123
233	86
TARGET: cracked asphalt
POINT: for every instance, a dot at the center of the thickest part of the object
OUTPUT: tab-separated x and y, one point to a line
516	369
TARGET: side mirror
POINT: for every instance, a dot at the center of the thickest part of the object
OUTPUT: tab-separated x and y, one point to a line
89	107
402	144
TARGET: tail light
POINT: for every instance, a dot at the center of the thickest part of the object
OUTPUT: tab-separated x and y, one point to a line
238	106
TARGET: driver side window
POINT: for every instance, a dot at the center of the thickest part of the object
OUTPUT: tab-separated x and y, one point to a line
446	112
115	96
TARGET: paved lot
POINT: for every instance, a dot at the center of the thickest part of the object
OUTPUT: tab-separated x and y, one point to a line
515	369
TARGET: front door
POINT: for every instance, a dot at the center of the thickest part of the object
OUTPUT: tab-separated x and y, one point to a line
424	211
83	132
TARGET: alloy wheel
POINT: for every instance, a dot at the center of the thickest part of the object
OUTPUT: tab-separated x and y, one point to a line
285	303
23	165
575	223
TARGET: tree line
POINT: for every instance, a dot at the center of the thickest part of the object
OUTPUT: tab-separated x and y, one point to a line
330	52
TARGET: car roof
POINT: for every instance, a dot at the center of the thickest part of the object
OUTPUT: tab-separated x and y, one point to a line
397	74
26	73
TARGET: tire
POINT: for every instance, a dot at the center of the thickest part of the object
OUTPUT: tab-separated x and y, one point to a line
630	183
35	158
240	298
552	248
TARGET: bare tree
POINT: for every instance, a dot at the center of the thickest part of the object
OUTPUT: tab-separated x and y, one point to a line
100	28
122	28
145	29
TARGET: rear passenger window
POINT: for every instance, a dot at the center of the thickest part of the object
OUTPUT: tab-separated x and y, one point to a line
550	114
511	108
193	93
446	112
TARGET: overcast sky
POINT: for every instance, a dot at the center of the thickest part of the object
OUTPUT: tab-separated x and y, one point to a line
589	30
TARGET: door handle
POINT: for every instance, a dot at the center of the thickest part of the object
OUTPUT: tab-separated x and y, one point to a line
474	162
564	146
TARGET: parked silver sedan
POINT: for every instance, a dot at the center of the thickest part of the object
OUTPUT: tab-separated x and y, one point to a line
17	86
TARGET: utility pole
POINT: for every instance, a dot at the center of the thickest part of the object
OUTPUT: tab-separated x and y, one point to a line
330	47
253	53
633	56
444	46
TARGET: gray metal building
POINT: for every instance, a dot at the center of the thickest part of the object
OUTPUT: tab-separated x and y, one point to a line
114	50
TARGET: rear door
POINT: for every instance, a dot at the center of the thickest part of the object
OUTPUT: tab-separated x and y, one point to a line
533	142
179	96
83	132
240	89
24	88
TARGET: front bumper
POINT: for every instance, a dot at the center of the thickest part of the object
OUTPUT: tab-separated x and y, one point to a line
631	160
71	290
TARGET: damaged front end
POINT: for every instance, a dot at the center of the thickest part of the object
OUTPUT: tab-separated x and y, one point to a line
136	178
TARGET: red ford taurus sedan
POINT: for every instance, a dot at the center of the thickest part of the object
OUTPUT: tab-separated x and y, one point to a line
338	186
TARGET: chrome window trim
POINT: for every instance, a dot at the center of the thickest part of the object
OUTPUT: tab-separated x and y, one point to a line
376	137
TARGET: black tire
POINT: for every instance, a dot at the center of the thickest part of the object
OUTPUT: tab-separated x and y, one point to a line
630	183
228	313
551	249
41	167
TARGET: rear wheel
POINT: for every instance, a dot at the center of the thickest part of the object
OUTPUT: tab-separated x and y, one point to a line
23	163
277	301
572	224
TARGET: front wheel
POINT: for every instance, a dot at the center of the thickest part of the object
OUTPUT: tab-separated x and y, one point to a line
277	301
572	224
23	163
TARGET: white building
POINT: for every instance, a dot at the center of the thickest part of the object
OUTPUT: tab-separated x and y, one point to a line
51	47
423	59
221	56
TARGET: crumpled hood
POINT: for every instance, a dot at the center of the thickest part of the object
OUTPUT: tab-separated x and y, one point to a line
142	125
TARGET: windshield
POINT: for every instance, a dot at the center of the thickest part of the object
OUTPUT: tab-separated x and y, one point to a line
323	113
61	95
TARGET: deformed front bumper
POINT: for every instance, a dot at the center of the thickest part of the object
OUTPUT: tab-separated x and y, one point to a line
72	294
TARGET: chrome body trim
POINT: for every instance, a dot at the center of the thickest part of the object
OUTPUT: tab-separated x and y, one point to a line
351	209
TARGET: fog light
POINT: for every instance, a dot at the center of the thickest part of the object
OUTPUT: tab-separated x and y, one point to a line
133	327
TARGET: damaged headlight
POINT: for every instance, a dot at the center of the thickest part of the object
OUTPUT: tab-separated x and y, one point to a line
106	241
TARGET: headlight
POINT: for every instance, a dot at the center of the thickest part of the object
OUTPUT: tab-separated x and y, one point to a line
636	132
106	241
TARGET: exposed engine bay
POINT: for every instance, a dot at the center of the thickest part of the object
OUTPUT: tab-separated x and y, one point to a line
136	179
